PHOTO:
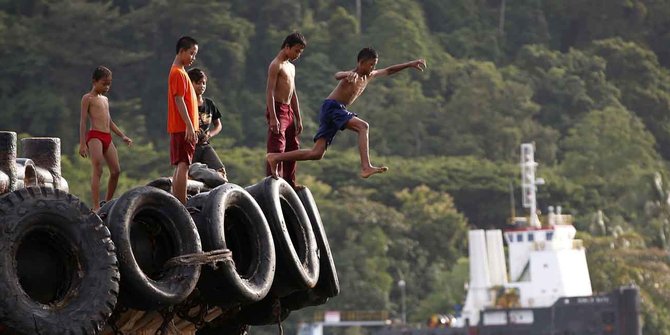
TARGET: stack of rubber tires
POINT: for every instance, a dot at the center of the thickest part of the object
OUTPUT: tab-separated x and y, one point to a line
67	270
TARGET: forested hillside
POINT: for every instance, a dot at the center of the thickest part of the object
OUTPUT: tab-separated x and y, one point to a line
586	80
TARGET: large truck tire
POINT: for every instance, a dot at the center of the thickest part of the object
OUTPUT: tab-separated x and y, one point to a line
149	227
58	270
295	244
328	284
229	218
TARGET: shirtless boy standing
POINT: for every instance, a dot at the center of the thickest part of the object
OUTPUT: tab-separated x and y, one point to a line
97	142
283	111
334	116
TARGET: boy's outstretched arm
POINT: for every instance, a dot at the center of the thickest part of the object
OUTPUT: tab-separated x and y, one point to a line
83	150
119	133
419	64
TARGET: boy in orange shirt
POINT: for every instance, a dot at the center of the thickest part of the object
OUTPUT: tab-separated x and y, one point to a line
182	115
97	141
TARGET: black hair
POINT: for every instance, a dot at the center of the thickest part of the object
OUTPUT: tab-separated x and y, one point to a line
196	75
101	72
367	53
186	42
293	39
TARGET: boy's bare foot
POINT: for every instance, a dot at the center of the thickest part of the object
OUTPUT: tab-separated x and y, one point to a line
369	171
273	165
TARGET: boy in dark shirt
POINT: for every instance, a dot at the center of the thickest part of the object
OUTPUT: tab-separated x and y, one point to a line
210	125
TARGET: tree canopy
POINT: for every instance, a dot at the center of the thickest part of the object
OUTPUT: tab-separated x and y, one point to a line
586	80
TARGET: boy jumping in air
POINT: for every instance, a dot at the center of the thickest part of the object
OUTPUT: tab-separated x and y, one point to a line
282	109
182	115
97	141
334	116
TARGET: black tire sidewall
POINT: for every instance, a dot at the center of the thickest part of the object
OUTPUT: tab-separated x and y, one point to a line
225	286
92	295
137	289
293	273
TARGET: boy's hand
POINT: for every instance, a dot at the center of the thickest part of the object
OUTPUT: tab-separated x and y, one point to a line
419	64
83	151
127	140
298	127
274	125
189	135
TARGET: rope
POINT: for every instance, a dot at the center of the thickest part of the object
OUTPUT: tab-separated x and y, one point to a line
210	258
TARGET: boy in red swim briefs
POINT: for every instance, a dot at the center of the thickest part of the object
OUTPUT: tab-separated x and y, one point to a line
97	141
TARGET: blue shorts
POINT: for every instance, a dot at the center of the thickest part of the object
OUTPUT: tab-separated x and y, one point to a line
332	117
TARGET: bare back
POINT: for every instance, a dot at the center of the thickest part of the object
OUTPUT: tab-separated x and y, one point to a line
98	112
346	91
285	83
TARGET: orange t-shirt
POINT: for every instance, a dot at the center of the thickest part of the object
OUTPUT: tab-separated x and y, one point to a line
180	85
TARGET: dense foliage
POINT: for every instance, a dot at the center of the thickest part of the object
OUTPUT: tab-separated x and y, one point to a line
586	80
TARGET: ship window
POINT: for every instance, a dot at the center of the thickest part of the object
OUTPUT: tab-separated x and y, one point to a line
550	235
531	237
519	237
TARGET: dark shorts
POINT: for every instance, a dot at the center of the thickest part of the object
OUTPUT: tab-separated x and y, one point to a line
180	149
332	117
205	154
105	138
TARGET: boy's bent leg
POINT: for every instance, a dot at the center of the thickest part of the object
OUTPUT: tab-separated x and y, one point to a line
361	127
179	181
97	158
276	143
112	158
315	153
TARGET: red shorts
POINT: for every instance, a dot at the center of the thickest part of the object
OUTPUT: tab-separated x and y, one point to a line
180	149
105	138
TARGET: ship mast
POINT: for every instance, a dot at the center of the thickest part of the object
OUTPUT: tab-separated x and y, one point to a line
529	182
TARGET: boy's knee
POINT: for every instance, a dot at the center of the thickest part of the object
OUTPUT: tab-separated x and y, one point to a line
115	173
361	126
97	168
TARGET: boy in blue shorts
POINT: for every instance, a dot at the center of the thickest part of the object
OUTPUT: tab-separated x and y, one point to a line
334	115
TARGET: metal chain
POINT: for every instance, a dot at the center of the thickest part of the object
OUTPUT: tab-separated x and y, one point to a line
194	300
168	316
276	312
114	318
